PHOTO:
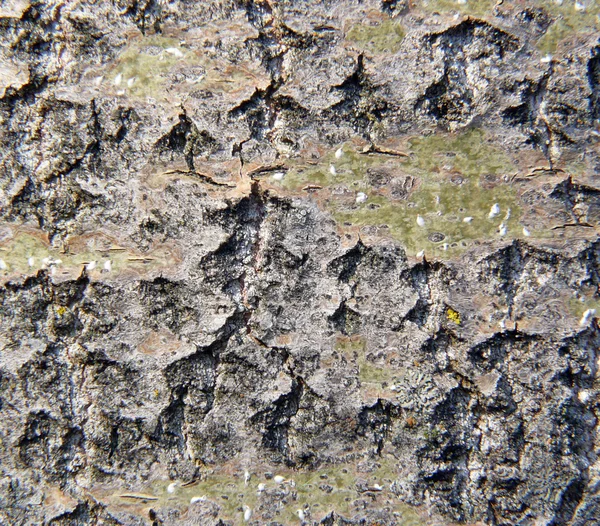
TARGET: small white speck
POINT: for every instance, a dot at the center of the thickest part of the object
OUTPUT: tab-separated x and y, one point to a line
246	477
547	58
584	396
171	487
332	170
467	219
174	51
338	153
502	229
461	2
279	479
131	82
121	92
108	265
247	513
301	515
579	6
2	265
587	315
98	80
437	199
118	79
420	254
261	487
31	262
193	500
90	266
420	221
377	487
526	232
494	211
507	215
361	197
445	246
502	325
278	176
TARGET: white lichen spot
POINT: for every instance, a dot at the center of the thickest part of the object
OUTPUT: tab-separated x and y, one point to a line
301	515
90	266
98	80
121	92
526	232
467	219
507	215
261	487
278	176
361	197
503	229
131	82
502	325
579	7
332	170
461	2
246	477
108	265
445	246
587	316
247	513
193	500
421	254
546	59
279	479
420	221
31	261
494	211
174	51
3	265
338	153
171	487
584	396
118	79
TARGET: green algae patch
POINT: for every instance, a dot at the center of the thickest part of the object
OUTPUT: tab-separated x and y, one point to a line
437	198
156	65
342	488
143	67
371	373
384	37
28	252
570	18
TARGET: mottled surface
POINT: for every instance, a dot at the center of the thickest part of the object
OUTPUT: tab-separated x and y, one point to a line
350	244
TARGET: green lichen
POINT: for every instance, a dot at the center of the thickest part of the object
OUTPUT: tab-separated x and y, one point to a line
330	488
158	65
384	37
370	373
577	306
147	62
567	21
23	247
454	177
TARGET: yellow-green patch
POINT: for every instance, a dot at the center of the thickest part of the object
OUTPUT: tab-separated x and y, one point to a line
383	37
27	253
452	182
331	488
568	20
